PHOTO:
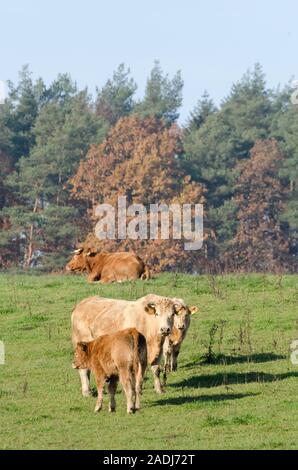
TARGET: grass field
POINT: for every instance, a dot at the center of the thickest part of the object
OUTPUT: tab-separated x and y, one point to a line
235	386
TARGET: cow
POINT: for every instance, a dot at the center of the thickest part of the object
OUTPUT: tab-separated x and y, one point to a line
152	316
121	355
173	342
108	267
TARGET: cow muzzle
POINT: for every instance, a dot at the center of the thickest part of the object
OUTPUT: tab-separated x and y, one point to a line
165	331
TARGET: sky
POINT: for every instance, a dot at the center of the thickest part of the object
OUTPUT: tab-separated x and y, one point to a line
212	42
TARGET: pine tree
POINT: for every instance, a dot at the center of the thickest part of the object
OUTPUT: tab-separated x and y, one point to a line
287	132
115	99
225	138
203	109
163	96
22	109
43	219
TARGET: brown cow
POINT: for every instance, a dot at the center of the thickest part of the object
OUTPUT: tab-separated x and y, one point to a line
173	342
152	315
108	267
110	357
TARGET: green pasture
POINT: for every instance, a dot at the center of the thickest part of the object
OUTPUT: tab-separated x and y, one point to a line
235	387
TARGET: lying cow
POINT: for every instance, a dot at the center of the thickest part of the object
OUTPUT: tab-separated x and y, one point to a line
173	342
152	316
108	267
122	355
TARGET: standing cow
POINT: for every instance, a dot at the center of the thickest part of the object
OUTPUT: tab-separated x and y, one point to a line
108	267
173	342
121	355
152	316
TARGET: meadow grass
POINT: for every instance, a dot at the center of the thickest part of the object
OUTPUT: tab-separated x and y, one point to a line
235	387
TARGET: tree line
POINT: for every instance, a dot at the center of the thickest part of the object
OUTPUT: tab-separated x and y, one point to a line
63	151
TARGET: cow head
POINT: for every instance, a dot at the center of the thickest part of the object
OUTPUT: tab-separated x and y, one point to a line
81	356
163	310
183	313
78	261
81	260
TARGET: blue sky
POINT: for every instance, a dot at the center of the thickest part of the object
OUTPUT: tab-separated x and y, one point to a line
212	42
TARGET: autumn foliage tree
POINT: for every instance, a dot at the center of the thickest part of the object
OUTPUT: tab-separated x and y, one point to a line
260	243
139	160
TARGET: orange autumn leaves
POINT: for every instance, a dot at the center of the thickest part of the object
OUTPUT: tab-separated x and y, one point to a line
260	243
139	159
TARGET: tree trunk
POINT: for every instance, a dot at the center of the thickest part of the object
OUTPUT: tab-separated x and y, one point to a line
29	251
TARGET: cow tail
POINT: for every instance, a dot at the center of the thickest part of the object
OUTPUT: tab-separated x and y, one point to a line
139	353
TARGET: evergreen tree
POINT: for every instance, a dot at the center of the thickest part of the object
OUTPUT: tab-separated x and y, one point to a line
287	132
43	220
163	96
21	112
203	109
115	99
224	138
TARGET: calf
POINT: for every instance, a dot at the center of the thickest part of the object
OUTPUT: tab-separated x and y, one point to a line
173	342
122	355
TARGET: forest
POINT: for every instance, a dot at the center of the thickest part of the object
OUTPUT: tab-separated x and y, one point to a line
63	151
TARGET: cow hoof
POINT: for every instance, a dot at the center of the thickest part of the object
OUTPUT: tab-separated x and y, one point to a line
86	393
131	411
97	410
112	410
159	388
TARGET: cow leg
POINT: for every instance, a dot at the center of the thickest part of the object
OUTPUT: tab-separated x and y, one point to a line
167	351
100	381
139	385
85	381
112	388
107	280
167	365
174	359
93	276
126	380
156	375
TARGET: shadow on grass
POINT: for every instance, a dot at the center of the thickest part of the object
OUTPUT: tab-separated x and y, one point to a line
216	380
202	399
229	360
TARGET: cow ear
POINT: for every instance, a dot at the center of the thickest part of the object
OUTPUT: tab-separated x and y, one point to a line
150	308
178	307
193	309
83	346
